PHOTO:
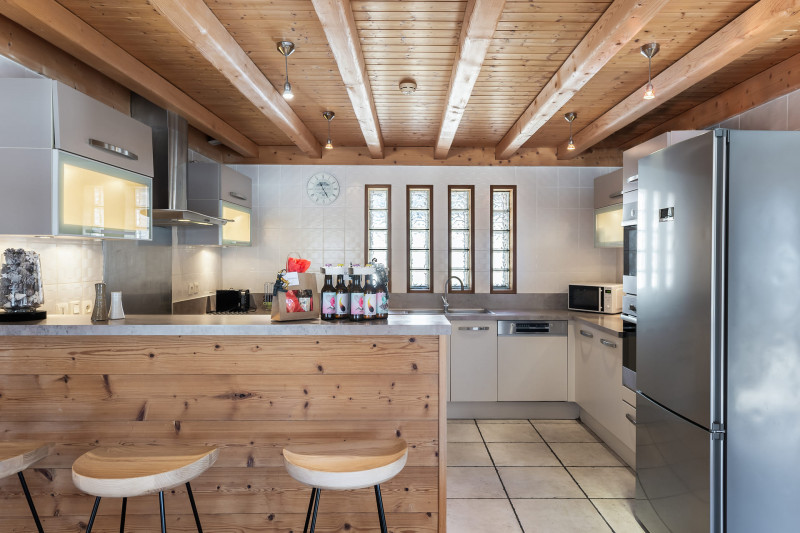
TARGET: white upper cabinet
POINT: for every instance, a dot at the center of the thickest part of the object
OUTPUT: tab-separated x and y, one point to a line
71	165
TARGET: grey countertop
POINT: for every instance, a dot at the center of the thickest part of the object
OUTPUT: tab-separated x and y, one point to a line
260	324
251	324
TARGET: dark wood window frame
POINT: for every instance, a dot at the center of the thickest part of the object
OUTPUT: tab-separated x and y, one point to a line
471	282
409	188
368	259
513	239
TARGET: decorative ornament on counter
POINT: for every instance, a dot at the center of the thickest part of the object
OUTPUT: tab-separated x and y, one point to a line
21	285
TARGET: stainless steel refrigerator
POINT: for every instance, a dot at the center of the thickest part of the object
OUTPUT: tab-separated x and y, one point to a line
718	338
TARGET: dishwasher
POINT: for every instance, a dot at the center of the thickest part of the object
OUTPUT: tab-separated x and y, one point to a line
532	361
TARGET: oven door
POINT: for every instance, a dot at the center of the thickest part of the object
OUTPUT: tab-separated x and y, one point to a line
586	298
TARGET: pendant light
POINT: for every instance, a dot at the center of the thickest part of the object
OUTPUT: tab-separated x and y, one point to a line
648	51
286	48
329	116
569	117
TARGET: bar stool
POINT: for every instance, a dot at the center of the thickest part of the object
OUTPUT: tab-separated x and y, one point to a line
345	466
128	471
16	457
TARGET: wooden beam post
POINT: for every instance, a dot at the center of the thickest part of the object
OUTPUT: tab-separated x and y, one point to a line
480	21
774	82
340	29
745	32
57	25
198	24
621	22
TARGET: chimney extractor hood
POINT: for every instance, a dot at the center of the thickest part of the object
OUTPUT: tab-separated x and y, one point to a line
170	155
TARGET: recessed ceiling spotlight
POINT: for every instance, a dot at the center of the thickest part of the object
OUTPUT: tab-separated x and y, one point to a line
408	87
286	48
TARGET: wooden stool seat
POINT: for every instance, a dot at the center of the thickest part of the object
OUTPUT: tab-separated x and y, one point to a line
128	471
17	456
344	466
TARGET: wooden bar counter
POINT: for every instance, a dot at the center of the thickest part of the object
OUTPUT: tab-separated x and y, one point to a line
238	382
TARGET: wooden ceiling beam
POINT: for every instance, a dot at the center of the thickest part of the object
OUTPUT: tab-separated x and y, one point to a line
620	23
57	25
198	24
340	29
762	21
773	83
477	30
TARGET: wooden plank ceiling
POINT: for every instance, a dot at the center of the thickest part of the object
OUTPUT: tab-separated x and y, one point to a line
419	40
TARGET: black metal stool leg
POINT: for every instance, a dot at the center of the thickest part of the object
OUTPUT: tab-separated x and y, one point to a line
194	508
163	518
94	513
316	508
30	502
122	515
380	508
310	507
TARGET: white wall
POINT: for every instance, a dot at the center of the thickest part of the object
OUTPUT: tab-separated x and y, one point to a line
555	223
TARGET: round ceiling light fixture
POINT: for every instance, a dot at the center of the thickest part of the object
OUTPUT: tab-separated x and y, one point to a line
408	87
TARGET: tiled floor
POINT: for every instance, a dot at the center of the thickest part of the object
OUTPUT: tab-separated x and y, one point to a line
535	476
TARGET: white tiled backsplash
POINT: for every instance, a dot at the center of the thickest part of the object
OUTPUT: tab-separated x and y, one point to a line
196	271
70	268
555	217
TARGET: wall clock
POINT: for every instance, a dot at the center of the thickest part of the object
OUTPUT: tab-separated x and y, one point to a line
323	188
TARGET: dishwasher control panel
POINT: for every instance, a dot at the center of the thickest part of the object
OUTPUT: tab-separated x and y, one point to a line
532	327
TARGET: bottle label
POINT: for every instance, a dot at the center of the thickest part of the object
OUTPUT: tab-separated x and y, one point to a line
370	304
357	303
328	303
382	303
343	303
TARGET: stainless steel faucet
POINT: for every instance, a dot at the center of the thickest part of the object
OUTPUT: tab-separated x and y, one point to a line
446	284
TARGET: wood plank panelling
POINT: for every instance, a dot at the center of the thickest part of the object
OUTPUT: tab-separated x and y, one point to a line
250	395
40	56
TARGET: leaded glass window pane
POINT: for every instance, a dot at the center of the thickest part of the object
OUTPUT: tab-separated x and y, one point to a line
500	280
502	242
378	216
420	240
419	199
379	199
419	279
459	259
379	219
459	240
420	218
460	227
419	259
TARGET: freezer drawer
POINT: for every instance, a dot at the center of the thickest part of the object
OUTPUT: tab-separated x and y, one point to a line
673	469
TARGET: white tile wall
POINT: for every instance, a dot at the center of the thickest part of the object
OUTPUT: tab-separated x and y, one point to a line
555	221
70	268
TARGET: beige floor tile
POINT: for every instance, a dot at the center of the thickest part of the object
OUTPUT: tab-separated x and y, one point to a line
584	454
467	454
481	516
539	482
522	454
473	482
460	421
604	482
509	433
559	516
463	433
499	421
565	432
555	421
619	514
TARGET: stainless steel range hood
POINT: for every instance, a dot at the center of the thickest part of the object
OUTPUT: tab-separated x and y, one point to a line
170	156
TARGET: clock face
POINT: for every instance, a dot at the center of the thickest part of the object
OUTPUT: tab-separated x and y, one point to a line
323	188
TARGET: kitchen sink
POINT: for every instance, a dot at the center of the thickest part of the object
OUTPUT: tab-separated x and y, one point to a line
480	311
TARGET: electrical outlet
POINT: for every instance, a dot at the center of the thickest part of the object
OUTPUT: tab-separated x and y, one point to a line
61	308
86	307
195	287
75	307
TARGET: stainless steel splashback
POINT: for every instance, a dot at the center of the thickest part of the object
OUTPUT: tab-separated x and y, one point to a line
142	270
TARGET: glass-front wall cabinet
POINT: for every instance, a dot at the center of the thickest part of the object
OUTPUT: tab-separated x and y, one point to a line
99	200
236	232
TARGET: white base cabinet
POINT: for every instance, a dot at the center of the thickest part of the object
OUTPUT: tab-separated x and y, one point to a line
473	358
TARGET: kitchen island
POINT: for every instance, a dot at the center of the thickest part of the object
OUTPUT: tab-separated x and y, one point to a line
238	382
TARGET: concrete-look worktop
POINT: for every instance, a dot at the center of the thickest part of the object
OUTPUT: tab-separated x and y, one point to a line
250	324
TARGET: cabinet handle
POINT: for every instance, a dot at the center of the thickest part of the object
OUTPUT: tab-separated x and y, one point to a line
615	194
474	328
608	343
113	149
238	196
586	334
633	178
630	418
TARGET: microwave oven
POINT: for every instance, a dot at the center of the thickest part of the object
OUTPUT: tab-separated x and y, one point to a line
595	297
